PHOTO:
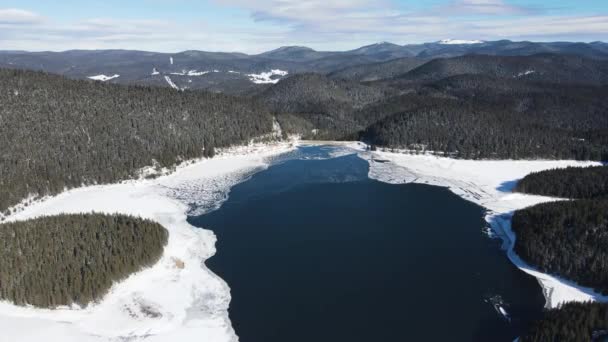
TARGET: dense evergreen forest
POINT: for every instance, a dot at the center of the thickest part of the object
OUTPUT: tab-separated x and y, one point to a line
325	103
572	322
378	71
566	238
571	182
549	68
66	259
486	117
57	133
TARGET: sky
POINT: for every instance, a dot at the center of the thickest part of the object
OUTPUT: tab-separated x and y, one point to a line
254	26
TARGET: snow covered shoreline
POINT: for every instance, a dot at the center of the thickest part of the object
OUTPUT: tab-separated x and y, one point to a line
487	183
178	299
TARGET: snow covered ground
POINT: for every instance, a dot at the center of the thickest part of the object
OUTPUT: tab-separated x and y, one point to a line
489	184
104	78
525	73
178	299
171	83
267	77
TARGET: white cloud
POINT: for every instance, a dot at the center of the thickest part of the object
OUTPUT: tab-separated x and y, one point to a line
486	7
545	26
323	25
18	16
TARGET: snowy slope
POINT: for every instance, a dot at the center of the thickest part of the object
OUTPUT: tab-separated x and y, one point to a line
273	77
171	83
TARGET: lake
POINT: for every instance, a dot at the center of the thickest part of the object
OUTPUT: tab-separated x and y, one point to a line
313	250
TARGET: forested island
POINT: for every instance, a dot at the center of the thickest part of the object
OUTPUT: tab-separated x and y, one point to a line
73	259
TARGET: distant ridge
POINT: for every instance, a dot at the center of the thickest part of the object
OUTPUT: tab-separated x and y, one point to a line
460	42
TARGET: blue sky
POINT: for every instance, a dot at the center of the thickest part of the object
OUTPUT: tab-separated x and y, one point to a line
253	26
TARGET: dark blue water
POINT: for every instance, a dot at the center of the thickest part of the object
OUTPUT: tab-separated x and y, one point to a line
314	251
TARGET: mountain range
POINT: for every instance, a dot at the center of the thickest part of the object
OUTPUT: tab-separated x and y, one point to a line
241	73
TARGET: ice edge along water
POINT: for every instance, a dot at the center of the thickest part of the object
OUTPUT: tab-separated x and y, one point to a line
487	183
189	302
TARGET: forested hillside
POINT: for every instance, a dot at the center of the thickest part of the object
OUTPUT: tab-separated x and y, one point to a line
66	259
378	71
487	114
57	133
567	238
571	182
563	69
472	122
572	322
326	103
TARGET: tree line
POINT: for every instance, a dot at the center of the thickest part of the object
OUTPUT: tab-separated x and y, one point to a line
570	182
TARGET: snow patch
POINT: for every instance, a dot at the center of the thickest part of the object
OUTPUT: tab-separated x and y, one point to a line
525	73
267	77
197	73
170	82
171	60
103	78
460	42
193	73
155	72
